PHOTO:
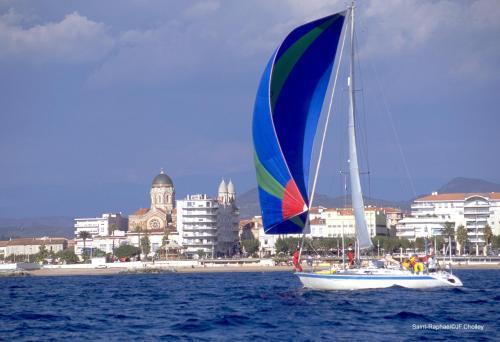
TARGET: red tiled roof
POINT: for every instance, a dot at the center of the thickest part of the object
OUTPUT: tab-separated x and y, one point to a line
141	211
317	221
458	196
3	243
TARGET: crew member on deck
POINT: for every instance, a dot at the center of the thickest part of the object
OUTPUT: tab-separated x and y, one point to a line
296	262
350	255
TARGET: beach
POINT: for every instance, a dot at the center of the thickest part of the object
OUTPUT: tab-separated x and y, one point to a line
197	269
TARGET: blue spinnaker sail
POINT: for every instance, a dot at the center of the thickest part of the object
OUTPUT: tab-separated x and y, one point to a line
286	114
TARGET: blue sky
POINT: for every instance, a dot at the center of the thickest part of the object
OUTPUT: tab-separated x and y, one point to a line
97	96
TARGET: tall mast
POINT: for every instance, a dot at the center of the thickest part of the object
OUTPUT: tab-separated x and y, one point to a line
362	235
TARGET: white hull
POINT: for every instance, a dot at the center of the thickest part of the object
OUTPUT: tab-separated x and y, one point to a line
376	278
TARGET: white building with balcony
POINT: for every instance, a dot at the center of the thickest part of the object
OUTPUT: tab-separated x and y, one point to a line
207	225
474	211
99	228
104	243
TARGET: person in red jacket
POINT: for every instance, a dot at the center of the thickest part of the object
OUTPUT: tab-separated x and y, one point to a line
350	255
296	262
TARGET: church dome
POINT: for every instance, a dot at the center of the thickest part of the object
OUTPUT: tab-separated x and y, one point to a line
222	187
230	187
162	180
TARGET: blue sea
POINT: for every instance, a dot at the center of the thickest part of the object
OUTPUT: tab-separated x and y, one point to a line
242	307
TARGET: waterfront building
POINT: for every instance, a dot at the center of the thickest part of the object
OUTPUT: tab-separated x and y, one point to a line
341	221
100	226
99	229
158	238
3	249
474	211
161	211
30	246
249	228
331	223
209	225
104	243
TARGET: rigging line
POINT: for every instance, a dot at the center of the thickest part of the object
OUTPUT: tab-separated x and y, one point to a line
364	127
393	127
324	136
327	120
394	131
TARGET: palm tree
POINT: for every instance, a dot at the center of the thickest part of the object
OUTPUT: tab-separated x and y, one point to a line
448	232
84	235
488	235
164	242
462	237
449	229
112	229
138	228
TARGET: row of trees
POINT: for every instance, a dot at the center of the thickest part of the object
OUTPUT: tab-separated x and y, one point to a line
460	235
386	244
67	256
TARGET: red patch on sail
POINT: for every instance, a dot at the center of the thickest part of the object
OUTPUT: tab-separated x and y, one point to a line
292	203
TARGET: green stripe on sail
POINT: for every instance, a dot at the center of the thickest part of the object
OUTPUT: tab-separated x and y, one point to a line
266	181
298	221
290	57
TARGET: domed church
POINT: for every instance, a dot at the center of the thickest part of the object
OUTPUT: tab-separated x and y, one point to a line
159	215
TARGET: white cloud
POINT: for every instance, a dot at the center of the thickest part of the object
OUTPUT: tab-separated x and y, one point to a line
75	39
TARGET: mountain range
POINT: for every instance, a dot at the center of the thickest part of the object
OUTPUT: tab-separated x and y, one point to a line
247	202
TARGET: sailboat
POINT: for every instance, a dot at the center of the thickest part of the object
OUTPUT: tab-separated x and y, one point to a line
287	111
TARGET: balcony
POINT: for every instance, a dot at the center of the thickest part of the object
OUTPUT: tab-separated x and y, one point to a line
198	228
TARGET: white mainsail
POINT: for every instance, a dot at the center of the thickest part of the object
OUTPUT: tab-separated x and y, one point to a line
362	234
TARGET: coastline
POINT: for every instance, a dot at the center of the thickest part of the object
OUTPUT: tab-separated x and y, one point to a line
199	269
127	271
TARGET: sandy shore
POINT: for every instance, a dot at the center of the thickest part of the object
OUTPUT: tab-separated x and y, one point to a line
123	270
119	270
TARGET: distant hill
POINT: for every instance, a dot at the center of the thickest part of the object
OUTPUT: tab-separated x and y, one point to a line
248	203
461	184
59	226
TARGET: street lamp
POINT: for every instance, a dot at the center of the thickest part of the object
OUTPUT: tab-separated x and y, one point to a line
378	248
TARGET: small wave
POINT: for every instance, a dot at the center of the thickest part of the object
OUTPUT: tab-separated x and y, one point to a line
192	325
40	317
407	315
233	320
477	301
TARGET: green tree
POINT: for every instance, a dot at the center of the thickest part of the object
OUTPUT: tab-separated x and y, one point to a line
68	256
495	241
99	253
462	238
127	251
112	230
201	253
145	245
42	254
287	245
251	246
420	243
138	229
84	235
448	229
488	234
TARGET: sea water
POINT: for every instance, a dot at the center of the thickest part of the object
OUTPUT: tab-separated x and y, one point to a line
242	306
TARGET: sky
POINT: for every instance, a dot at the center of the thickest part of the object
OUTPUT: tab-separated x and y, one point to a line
97	96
